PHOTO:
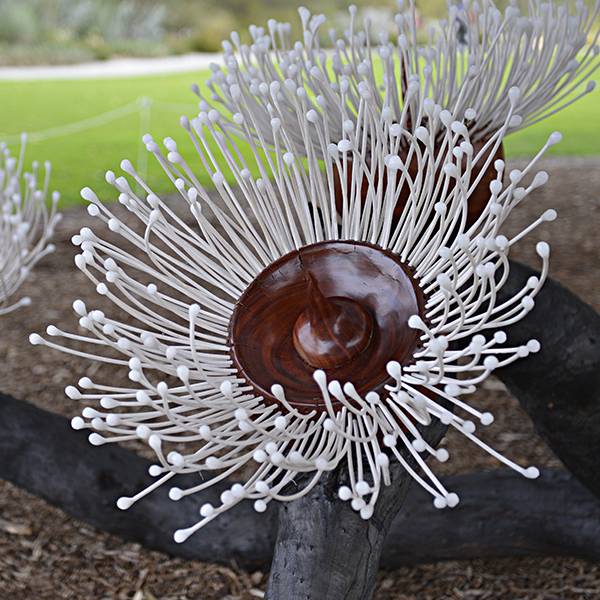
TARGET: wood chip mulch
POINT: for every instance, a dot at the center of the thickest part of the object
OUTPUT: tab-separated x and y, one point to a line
46	555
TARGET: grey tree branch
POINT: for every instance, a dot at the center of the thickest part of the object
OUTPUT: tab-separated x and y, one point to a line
500	513
559	387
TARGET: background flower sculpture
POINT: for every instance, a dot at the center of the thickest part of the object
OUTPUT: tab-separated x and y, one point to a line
227	319
479	67
473	67
26	225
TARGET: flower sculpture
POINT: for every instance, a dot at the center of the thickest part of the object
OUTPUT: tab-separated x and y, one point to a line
528	65
274	336
26	225
541	57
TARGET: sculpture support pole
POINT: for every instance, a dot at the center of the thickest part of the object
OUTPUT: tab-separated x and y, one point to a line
324	549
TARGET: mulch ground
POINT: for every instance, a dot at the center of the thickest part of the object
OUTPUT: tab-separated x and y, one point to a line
46	555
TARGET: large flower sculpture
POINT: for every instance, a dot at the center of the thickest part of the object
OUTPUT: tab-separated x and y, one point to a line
276	337
26	224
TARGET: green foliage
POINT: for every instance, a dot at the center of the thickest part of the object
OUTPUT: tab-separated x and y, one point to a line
100	27
28	21
60	30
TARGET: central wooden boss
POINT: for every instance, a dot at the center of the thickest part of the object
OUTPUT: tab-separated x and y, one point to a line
341	306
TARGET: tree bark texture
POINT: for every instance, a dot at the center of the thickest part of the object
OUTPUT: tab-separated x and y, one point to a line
559	387
500	512
324	548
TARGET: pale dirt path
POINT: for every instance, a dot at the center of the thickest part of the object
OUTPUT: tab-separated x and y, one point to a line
118	67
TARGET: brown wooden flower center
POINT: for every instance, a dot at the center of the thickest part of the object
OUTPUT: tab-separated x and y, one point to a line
331	332
342	306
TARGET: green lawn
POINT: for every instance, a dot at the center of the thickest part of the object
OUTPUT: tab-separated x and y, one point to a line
579	123
81	159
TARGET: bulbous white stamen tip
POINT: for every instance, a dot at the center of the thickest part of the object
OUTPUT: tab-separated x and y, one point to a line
124	502
213	463
237	489
79	308
108	403
470	114
394	368
515	121
382	460
175	493
260	506
452	499
227	498
85	383
500	337
366	512
321	464
372	398
363	488
440	502
555	138
127	167
515	176
527	302
549	215
155	442
194	311
543	249
345	493
154	470
419	445
277	391
540	179
389	440
96	440
487	418
442	455
36	339
87	194
344	146
452	390
358	503
320	377
77	423
469	426
532	473
490	362
259	456
181	535
415	322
